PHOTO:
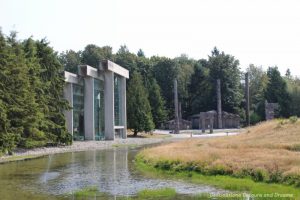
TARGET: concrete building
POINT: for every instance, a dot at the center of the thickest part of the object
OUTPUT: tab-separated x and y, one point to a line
98	100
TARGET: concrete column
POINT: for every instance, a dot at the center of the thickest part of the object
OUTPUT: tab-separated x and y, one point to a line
219	103
109	105
89	121
123	107
247	99
176	122
68	95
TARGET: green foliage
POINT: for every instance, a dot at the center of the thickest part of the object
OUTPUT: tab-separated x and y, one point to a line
87	192
293	119
226	68
276	91
31	88
164	193
199	89
243	183
139	111
157	104
70	60
92	54
255	118
293	87
295	147
165	71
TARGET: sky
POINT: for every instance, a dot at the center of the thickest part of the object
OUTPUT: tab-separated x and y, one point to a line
262	32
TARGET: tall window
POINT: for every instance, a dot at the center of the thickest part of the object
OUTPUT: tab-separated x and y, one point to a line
99	109
117	100
78	112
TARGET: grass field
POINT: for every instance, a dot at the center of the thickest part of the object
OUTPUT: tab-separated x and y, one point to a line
268	152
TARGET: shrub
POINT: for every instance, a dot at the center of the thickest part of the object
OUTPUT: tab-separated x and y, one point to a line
260	175
295	147
293	119
8	142
255	118
37	134
30	143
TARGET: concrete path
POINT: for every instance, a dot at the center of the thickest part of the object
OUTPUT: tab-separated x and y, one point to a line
199	134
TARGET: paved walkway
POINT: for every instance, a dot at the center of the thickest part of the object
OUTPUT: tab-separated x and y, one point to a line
199	134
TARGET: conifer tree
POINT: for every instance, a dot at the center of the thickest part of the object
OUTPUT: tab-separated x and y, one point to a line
138	108
157	104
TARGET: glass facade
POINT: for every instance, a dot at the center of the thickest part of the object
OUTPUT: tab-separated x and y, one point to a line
117	100
78	112
99	109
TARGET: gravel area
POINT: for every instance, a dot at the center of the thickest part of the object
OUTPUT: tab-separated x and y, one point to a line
87	145
94	145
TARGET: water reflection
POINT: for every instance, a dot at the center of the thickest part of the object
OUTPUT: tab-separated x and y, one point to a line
112	171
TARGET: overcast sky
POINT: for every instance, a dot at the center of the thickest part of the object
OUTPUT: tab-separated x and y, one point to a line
262	32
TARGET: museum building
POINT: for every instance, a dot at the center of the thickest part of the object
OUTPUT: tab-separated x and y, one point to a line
97	98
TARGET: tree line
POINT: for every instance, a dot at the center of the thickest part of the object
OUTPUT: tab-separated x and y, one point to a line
31	88
31	101
152	78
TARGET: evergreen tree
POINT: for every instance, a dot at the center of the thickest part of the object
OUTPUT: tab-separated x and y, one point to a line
199	90
92	54
165	71
53	85
157	104
141	53
70	60
126	59
225	67
139	115
276	91
258	81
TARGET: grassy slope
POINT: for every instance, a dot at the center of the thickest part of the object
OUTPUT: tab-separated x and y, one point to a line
268	152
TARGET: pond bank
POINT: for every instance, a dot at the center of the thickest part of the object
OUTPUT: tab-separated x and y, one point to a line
264	156
24	154
240	187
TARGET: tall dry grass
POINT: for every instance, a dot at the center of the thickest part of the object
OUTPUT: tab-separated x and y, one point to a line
269	151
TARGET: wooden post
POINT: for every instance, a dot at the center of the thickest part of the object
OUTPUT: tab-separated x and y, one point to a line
247	99
219	103
176	123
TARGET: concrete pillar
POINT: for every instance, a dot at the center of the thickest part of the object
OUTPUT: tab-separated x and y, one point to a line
219	103
123	107
247	99
176	128
109	105
68	94
89	121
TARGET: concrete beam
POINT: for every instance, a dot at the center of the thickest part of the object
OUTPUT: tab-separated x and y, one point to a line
71	78
115	68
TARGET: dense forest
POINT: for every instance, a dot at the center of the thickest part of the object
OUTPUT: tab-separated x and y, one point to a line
31	88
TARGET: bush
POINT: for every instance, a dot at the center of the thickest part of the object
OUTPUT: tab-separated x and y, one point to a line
293	119
30	143
255	118
37	134
8	142
295	147
260	175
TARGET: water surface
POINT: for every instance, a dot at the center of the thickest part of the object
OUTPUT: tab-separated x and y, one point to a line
111	171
